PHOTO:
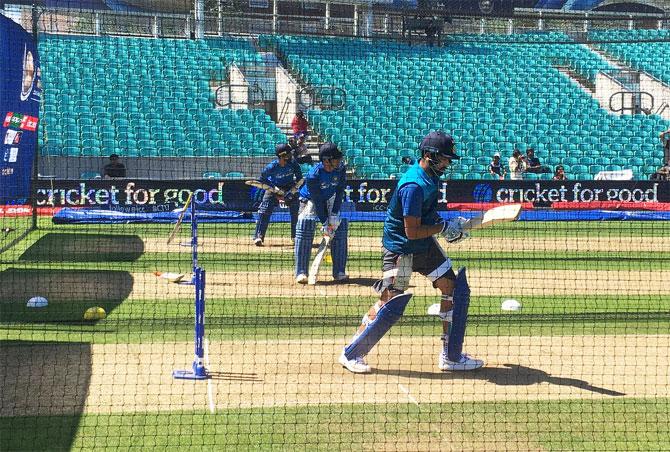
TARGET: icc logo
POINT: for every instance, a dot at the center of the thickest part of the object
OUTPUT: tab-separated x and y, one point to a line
486	6
482	193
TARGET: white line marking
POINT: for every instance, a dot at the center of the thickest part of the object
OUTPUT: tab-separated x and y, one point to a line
409	396
210	396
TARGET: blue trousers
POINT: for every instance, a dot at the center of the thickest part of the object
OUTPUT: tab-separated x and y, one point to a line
268	205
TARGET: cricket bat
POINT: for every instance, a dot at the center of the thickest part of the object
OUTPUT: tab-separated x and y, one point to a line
262	186
502	214
170	277
316	263
177	225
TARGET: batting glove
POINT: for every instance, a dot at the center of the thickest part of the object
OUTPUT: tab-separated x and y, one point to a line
334	221
328	230
452	230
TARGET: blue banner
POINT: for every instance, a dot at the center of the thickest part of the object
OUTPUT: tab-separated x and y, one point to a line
20	96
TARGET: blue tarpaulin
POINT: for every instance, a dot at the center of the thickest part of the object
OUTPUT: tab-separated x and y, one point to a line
70	215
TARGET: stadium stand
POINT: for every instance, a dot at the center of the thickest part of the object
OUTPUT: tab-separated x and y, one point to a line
493	92
647	54
146	97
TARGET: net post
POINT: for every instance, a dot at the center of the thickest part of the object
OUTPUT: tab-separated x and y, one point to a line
198	370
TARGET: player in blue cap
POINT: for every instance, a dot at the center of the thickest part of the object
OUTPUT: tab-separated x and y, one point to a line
409	246
320	200
283	173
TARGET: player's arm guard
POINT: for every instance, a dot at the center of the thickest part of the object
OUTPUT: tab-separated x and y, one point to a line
452	230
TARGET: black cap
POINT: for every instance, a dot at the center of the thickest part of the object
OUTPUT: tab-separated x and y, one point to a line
440	143
329	151
114	157
281	149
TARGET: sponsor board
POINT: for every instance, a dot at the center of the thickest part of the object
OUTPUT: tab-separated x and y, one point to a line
131	195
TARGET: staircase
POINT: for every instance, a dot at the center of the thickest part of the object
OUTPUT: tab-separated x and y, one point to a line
585	84
312	142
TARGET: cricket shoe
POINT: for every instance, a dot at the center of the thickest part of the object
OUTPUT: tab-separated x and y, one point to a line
301	278
356	365
465	363
340	277
258	241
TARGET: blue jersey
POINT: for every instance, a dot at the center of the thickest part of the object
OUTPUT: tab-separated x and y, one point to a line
415	196
321	185
283	177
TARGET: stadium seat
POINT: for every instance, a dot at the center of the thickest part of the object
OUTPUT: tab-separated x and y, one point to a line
90	175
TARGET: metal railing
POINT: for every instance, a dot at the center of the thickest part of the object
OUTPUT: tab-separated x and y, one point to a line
325	97
636	104
224	96
365	21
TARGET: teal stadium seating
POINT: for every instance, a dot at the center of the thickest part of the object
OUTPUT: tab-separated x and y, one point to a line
493	92
146	97
644	50
151	97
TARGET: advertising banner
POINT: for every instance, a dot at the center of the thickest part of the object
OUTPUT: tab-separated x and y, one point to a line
20	95
147	196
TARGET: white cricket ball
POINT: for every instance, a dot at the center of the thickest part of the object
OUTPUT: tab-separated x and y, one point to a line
510	305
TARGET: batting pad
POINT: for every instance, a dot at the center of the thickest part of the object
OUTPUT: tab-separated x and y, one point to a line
338	248
387	316
304	236
459	316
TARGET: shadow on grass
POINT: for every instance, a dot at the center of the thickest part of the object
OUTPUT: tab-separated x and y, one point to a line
69	292
45	386
509	375
61	247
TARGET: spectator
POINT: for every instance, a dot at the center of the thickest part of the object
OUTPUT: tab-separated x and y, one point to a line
496	168
663	172
517	166
299	149
533	163
114	169
300	125
433	29
665	139
559	174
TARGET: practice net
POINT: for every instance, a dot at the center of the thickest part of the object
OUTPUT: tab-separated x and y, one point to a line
167	183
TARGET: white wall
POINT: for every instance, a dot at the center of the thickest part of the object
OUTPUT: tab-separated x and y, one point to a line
605	87
659	90
239	93
287	91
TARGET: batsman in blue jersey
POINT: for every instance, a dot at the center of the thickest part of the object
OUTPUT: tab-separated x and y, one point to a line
283	173
321	197
409	245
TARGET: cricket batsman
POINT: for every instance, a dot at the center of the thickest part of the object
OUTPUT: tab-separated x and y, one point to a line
320	200
409	246
283	173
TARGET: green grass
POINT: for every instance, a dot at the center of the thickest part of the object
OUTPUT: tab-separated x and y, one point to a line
282	261
293	318
593	424
598	424
54	249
